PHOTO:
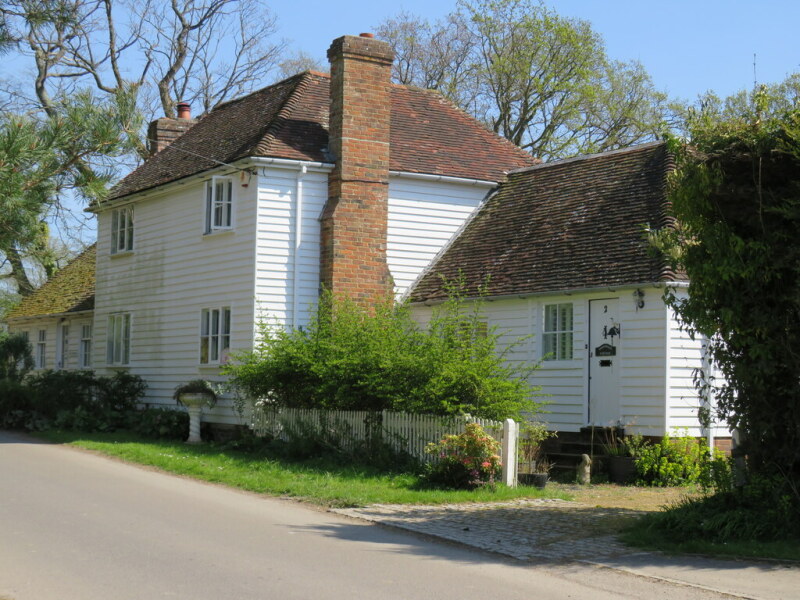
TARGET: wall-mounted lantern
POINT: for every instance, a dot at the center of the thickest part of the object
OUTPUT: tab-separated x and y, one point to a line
638	298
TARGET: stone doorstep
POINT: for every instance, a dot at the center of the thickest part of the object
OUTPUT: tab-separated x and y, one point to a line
521	529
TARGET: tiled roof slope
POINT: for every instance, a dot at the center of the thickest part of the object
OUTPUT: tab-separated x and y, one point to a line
566	225
69	290
290	120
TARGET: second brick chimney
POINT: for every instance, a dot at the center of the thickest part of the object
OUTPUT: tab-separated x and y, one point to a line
162	132
354	222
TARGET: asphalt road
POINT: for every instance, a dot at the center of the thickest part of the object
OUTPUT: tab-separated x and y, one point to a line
75	526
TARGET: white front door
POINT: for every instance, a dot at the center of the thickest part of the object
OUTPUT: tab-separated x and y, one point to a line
604	361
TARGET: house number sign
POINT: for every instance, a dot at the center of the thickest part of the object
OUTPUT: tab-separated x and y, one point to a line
605	350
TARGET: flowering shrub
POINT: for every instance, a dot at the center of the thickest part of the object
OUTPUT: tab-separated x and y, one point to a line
465	461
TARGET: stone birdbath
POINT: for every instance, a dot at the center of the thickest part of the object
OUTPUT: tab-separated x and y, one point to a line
194	395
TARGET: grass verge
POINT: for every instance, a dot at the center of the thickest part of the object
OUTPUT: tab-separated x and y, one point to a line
318	481
640	535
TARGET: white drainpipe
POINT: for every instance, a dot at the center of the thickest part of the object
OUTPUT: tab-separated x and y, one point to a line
298	238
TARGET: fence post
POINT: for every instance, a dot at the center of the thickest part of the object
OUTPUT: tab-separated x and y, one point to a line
509	450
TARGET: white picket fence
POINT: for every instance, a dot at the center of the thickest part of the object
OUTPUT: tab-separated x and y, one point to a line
404	432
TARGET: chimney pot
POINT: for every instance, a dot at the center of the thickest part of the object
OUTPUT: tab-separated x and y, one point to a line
184	110
366	35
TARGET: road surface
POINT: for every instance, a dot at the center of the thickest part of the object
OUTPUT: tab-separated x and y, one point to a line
76	526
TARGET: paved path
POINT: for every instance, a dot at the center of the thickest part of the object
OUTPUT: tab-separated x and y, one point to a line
75	526
558	530
522	529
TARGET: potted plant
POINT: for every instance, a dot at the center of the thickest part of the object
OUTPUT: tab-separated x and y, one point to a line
194	395
533	467
621	454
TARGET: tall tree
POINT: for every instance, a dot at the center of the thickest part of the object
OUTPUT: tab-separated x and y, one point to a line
541	80
736	201
43	158
200	51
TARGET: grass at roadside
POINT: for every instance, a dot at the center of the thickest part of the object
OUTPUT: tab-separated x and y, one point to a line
321	482
638	534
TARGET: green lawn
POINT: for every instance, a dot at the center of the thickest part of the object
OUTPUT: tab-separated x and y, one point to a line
318	481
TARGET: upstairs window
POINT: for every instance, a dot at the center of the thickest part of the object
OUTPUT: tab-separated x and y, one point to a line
122	230
85	357
215	335
219	204
557	334
118	347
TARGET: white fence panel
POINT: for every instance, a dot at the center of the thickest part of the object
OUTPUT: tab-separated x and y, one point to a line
404	432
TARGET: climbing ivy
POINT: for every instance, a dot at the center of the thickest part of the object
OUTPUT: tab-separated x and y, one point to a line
735	197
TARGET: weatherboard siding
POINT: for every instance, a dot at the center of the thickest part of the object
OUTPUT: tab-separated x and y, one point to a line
423	217
173	273
280	254
685	356
564	383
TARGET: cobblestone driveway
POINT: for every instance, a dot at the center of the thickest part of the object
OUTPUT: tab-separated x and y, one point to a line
522	529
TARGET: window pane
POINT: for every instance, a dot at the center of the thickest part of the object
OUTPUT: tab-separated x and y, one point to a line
565	311
549	345
565	346
129	232
550	317
204	349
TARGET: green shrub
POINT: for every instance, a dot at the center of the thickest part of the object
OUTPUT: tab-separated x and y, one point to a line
680	461
16	405
76	400
465	461
350	358
15	356
158	423
762	510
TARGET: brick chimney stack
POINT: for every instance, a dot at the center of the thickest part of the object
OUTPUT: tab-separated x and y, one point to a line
162	132
354	222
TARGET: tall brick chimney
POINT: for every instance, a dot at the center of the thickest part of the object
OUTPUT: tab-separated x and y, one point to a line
162	132
354	222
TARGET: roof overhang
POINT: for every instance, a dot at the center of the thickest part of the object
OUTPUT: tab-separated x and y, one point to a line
570	292
75	313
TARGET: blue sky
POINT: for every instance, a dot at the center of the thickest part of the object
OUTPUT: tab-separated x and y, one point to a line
688	47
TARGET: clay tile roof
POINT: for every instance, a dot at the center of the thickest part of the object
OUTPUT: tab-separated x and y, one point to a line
290	120
70	290
566	225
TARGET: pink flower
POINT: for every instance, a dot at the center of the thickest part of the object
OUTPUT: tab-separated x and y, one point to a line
486	464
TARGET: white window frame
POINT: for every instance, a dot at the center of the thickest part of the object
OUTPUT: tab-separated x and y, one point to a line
118	339
215	335
122	230
41	349
558	331
85	356
219	204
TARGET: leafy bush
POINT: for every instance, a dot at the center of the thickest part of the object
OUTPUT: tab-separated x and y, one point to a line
159	423
762	510
16	405
15	356
351	358
76	400
465	461
679	461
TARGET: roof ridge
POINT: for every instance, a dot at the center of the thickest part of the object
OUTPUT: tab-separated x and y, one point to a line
254	92
582	157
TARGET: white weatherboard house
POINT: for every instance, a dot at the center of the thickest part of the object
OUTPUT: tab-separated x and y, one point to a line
560	250
349	182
